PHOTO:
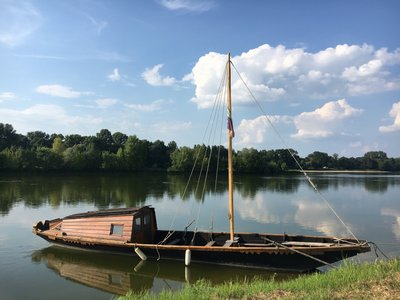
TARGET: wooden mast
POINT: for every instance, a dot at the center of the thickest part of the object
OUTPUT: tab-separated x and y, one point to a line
230	165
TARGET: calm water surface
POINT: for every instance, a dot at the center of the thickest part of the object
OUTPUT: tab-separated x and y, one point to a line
32	269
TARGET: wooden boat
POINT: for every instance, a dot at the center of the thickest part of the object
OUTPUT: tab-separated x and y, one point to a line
134	230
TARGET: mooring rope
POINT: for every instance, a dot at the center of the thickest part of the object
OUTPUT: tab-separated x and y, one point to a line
293	156
299	252
376	249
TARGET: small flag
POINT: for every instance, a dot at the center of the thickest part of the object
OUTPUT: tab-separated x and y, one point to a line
230	127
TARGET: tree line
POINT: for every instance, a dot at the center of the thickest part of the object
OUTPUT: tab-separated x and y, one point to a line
117	151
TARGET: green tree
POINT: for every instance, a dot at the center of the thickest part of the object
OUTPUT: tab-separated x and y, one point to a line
318	160
344	163
75	157
58	146
110	161
136	153
8	137
92	153
248	161
158	155
374	160
73	139
15	158
172	146
38	139
182	159
48	160
283	157
105	140
119	140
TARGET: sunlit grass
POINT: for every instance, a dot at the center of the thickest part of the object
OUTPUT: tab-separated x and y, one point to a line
351	281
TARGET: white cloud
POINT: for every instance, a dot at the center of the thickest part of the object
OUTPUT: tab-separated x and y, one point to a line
255	131
154	106
206	76
302	211
58	90
395	114
153	77
324	121
189	5
396	224
106	102
263	211
171	128
44	117
311	214
18	21
274	73
368	69
6	96
114	76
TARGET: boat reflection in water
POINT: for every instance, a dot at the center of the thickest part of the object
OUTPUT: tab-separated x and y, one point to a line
119	274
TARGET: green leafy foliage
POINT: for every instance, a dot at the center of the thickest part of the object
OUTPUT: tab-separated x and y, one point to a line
117	151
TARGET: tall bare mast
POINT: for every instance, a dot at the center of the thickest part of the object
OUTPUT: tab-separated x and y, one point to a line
230	165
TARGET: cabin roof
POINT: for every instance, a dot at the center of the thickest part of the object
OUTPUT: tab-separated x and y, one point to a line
107	212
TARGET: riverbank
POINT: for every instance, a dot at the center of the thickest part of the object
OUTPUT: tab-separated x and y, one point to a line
379	280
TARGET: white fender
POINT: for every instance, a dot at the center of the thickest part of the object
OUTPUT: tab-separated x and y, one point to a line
188	257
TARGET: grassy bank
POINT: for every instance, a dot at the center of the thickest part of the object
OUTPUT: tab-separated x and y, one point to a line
379	280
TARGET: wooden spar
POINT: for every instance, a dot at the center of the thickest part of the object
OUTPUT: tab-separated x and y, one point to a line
230	167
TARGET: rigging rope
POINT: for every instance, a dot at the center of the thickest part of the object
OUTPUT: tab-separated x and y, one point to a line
217	104
207	158
293	156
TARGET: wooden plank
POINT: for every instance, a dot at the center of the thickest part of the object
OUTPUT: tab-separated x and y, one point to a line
99	222
256	245
98	228
94	220
97	232
306	244
91	228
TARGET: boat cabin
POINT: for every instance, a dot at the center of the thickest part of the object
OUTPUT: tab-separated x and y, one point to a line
136	225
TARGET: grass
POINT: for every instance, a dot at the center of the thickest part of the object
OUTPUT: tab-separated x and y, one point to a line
378	280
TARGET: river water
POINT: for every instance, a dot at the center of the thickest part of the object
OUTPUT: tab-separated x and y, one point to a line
32	269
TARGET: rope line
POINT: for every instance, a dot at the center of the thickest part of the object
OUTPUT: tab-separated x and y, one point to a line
211	139
299	252
376	249
212	116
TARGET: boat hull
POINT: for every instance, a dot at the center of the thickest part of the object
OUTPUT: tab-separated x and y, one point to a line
133	231
271	258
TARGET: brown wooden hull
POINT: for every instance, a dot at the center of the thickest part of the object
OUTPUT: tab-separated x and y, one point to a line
123	230
266	256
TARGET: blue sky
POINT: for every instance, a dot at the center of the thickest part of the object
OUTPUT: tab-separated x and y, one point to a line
326	72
